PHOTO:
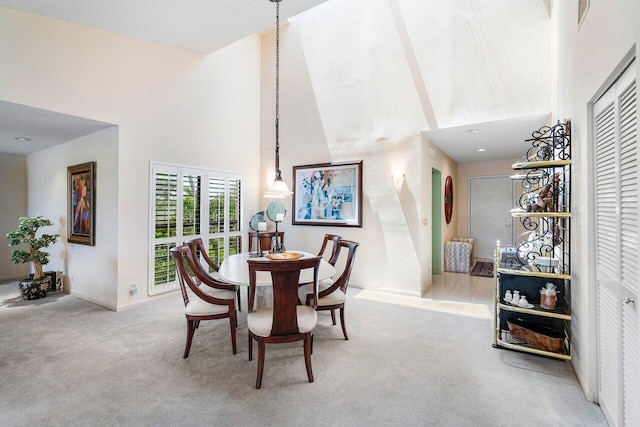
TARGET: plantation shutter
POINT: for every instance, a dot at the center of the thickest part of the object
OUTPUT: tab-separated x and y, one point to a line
182	198
164	214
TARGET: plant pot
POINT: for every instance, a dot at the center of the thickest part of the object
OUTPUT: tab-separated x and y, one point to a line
34	288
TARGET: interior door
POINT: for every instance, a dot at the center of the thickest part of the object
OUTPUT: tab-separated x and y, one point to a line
436	221
490	200
616	178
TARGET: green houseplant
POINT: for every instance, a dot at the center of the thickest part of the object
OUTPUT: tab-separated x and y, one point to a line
37	286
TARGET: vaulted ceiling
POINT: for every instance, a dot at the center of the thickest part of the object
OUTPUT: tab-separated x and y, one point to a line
469	74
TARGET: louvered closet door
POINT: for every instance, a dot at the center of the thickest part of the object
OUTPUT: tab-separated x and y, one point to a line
617	250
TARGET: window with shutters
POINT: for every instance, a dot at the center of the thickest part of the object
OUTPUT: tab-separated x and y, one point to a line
182	199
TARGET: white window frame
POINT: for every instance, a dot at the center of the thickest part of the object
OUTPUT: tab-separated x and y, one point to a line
205	234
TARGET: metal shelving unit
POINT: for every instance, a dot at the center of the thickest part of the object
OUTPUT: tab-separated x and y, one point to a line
541	254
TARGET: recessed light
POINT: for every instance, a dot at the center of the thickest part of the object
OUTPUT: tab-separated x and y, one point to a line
22	138
482	150
473	131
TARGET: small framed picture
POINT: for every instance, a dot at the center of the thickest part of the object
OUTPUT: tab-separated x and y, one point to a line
81	203
328	194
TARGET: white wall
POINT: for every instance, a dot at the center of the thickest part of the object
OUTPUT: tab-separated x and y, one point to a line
432	157
171	105
389	255
587	59
13	205
90	271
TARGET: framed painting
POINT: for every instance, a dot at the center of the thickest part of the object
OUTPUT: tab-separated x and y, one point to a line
328	194
81	203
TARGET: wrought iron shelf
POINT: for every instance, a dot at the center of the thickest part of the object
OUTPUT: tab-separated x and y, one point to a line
534	274
530	349
537	311
540	256
538	175
518	213
540	164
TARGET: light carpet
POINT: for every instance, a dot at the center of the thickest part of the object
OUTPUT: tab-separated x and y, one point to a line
409	362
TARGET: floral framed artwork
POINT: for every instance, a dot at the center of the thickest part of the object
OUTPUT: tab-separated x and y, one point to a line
328	194
81	203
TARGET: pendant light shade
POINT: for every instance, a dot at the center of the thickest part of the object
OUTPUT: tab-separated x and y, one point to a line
278	188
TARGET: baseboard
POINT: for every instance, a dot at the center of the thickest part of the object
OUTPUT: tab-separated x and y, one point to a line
135	304
389	291
93	300
14	277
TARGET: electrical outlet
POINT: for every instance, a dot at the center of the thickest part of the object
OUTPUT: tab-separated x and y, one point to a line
133	289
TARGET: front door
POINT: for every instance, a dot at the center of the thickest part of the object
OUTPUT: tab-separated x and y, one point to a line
490	200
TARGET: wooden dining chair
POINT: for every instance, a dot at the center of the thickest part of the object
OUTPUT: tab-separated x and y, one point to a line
266	238
333	296
335	248
217	303
198	248
286	321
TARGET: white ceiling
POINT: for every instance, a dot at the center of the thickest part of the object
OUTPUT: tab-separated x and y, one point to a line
204	26
201	25
502	139
44	128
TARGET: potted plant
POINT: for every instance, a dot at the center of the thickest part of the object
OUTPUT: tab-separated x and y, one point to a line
36	286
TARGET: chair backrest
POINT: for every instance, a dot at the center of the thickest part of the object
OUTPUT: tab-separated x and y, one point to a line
185	265
266	238
181	255
285	276
335	249
343	281
198	248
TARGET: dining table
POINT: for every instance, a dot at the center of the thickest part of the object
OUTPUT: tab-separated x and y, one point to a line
234	269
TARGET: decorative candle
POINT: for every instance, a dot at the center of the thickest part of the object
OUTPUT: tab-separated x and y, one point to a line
262	226
279	217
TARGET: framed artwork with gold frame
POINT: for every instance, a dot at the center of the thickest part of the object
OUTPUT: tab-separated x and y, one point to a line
81	203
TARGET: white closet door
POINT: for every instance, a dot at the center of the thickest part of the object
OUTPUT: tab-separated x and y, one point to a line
617	250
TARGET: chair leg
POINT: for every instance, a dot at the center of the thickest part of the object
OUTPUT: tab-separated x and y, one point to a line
197	324
311	344
250	348
260	363
191	328
344	328
333	317
233	322
239	301
308	340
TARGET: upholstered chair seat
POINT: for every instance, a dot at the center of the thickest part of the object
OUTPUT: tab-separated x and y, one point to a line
218	293
335	297
260	321
198	307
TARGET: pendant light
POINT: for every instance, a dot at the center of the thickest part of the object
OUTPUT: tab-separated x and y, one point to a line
278	188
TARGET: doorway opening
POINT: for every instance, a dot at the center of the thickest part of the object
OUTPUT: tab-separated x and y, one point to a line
436	221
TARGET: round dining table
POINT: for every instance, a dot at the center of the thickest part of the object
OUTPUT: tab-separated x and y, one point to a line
234	269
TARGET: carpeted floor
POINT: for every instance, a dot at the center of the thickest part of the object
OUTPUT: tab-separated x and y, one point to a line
409	361
482	269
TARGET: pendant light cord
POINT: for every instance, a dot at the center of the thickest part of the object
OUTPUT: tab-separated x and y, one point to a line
278	173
